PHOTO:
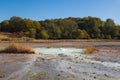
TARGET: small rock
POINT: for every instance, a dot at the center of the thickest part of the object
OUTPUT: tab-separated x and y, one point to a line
62	55
94	77
76	57
61	71
92	63
2	75
94	73
42	59
94	67
58	75
69	67
106	75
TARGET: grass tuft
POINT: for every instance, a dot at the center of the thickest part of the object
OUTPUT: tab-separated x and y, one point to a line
89	49
49	46
40	76
2	74
17	48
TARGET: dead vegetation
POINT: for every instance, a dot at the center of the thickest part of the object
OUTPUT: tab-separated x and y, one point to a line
2	74
17	48
89	49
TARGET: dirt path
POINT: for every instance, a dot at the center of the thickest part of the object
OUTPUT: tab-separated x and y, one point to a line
20	73
15	65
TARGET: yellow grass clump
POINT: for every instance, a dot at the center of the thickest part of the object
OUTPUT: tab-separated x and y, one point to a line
17	48
89	49
4	38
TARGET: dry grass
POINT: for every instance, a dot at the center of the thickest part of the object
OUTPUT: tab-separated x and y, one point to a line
2	74
89	49
3	38
49	46
22	39
14	39
40	76
17	48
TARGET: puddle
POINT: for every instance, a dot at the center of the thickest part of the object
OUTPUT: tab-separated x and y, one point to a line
66	51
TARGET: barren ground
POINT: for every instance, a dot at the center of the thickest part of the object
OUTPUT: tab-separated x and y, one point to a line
103	64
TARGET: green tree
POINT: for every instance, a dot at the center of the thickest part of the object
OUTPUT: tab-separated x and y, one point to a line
5	26
32	33
15	19
91	25
78	34
109	28
44	35
67	28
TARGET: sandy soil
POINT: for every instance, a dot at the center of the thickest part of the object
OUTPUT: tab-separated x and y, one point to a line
103	64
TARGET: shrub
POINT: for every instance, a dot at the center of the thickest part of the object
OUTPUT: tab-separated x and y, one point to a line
48	46
89	49
17	48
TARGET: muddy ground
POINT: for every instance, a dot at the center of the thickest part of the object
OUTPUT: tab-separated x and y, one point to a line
103	64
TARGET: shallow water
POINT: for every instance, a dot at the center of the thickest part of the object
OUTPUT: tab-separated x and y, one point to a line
66	51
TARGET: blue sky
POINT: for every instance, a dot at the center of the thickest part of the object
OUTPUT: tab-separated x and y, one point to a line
50	9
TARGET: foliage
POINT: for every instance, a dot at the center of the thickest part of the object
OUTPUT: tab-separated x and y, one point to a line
43	35
67	28
80	34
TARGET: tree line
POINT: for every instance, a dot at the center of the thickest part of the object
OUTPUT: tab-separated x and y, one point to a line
67	28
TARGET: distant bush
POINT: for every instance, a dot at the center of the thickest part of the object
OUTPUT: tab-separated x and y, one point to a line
21	39
17	48
89	49
4	38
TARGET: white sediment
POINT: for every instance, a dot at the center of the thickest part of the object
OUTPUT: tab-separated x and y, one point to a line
74	52
65	51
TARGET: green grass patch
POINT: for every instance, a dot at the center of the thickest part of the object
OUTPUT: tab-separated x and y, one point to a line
40	76
105	78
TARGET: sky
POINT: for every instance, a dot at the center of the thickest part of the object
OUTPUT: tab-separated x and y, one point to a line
50	9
